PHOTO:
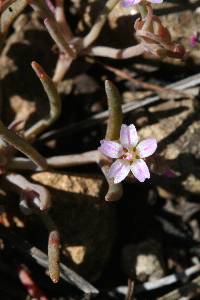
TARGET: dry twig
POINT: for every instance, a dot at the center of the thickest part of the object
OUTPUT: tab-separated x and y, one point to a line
188	291
42	259
126	108
163	282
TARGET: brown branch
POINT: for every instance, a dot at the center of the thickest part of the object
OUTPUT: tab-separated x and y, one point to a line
97	27
61	20
116	53
183	84
145	85
60	161
37	194
9	11
52	26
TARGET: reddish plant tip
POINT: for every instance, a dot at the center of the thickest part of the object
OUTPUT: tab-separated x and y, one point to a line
38	70
30	285
34	64
54	255
54	239
55	280
50	6
45	21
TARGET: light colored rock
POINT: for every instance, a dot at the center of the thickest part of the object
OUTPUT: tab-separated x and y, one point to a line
176	126
21	107
143	261
72	183
77	253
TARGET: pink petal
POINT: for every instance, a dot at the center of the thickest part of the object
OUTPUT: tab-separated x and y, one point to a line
119	170
147	147
193	40
155	1
127	3
140	170
50	6
110	149
128	135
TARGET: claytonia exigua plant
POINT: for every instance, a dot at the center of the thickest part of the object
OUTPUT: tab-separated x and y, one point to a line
130	154
154	37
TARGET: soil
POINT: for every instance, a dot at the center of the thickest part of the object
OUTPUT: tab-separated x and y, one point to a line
154	230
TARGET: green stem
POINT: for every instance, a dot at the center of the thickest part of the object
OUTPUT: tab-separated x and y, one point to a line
20	144
142	10
54	102
115	111
115	191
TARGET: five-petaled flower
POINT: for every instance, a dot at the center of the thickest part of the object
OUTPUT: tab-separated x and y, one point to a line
130	154
127	3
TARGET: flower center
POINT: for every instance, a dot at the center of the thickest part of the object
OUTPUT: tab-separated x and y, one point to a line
130	154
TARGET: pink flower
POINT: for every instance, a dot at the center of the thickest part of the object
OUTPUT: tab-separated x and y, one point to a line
193	40
127	3
130	154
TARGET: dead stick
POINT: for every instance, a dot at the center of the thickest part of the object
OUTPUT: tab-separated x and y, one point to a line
42	259
126	108
162	282
187	291
60	161
147	86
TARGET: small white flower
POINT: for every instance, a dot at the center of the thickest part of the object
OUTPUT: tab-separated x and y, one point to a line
127	3
130	154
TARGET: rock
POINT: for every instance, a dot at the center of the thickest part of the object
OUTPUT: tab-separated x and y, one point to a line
182	26
21	87
143	261
78	184
86	222
21	107
176	126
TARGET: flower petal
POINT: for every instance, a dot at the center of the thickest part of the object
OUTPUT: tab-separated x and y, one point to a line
147	147
155	1
128	135
110	149
119	170
127	3
140	170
